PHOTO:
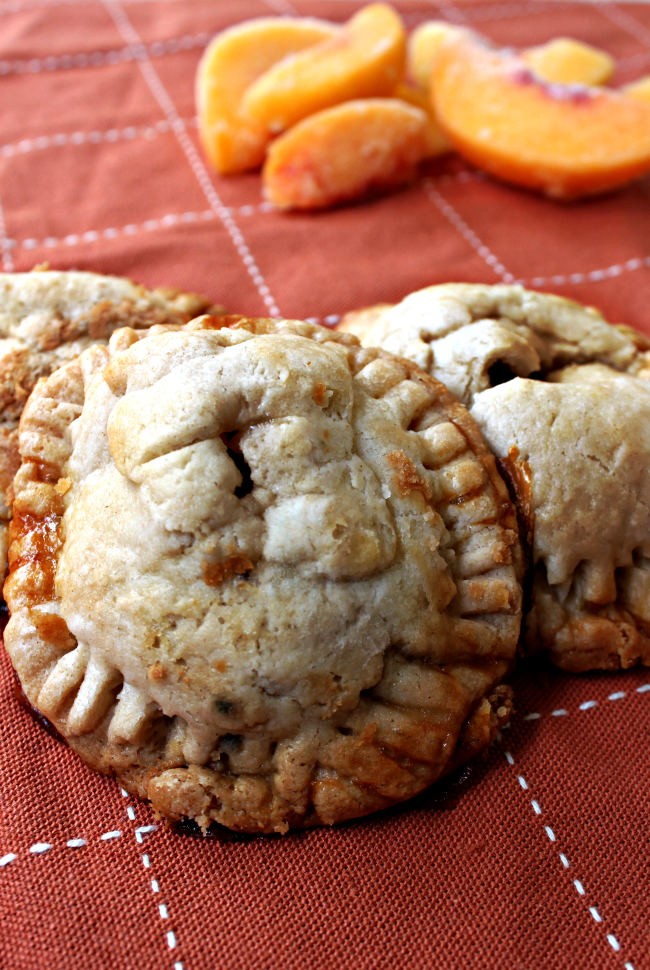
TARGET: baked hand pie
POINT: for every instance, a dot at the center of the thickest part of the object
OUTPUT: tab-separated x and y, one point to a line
262	575
46	319
563	401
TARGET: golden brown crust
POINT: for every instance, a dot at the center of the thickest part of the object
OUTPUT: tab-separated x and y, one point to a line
580	636
421	718
49	318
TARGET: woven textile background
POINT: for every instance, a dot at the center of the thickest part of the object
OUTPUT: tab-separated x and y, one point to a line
541	857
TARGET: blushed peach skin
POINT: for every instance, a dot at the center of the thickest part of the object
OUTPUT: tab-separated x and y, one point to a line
567	141
366	59
232	62
345	152
567	61
560	61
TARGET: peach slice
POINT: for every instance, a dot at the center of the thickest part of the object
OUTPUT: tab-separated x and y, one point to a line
365	60
423	46
567	61
560	61
344	153
233	60
567	140
439	144
638	90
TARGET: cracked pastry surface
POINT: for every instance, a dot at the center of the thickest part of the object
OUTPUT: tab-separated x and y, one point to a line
264	576
563	401
46	319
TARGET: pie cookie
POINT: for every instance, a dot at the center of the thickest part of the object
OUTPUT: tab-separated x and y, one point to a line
46	319
560	397
264	576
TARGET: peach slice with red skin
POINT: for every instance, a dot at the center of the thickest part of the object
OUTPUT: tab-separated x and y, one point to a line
366	59
344	153
565	140
233	60
559	61
568	61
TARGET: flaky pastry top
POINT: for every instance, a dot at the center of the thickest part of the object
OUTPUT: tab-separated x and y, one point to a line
252	526
473	336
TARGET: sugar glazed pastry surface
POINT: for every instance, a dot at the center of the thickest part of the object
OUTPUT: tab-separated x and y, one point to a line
46	319
561	399
264	576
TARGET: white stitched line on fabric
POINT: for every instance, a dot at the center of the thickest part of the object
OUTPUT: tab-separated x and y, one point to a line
5	245
468	234
84	138
40	848
159	92
595	276
634	60
579	887
163	911
450	11
498	11
64	62
630	24
503	11
461	177
125	794
151	225
14	6
282	7
588	705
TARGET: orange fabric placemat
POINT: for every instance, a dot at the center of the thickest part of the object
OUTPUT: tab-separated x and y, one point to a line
538	859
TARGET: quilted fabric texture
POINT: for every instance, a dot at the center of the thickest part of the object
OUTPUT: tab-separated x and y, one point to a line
539	858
